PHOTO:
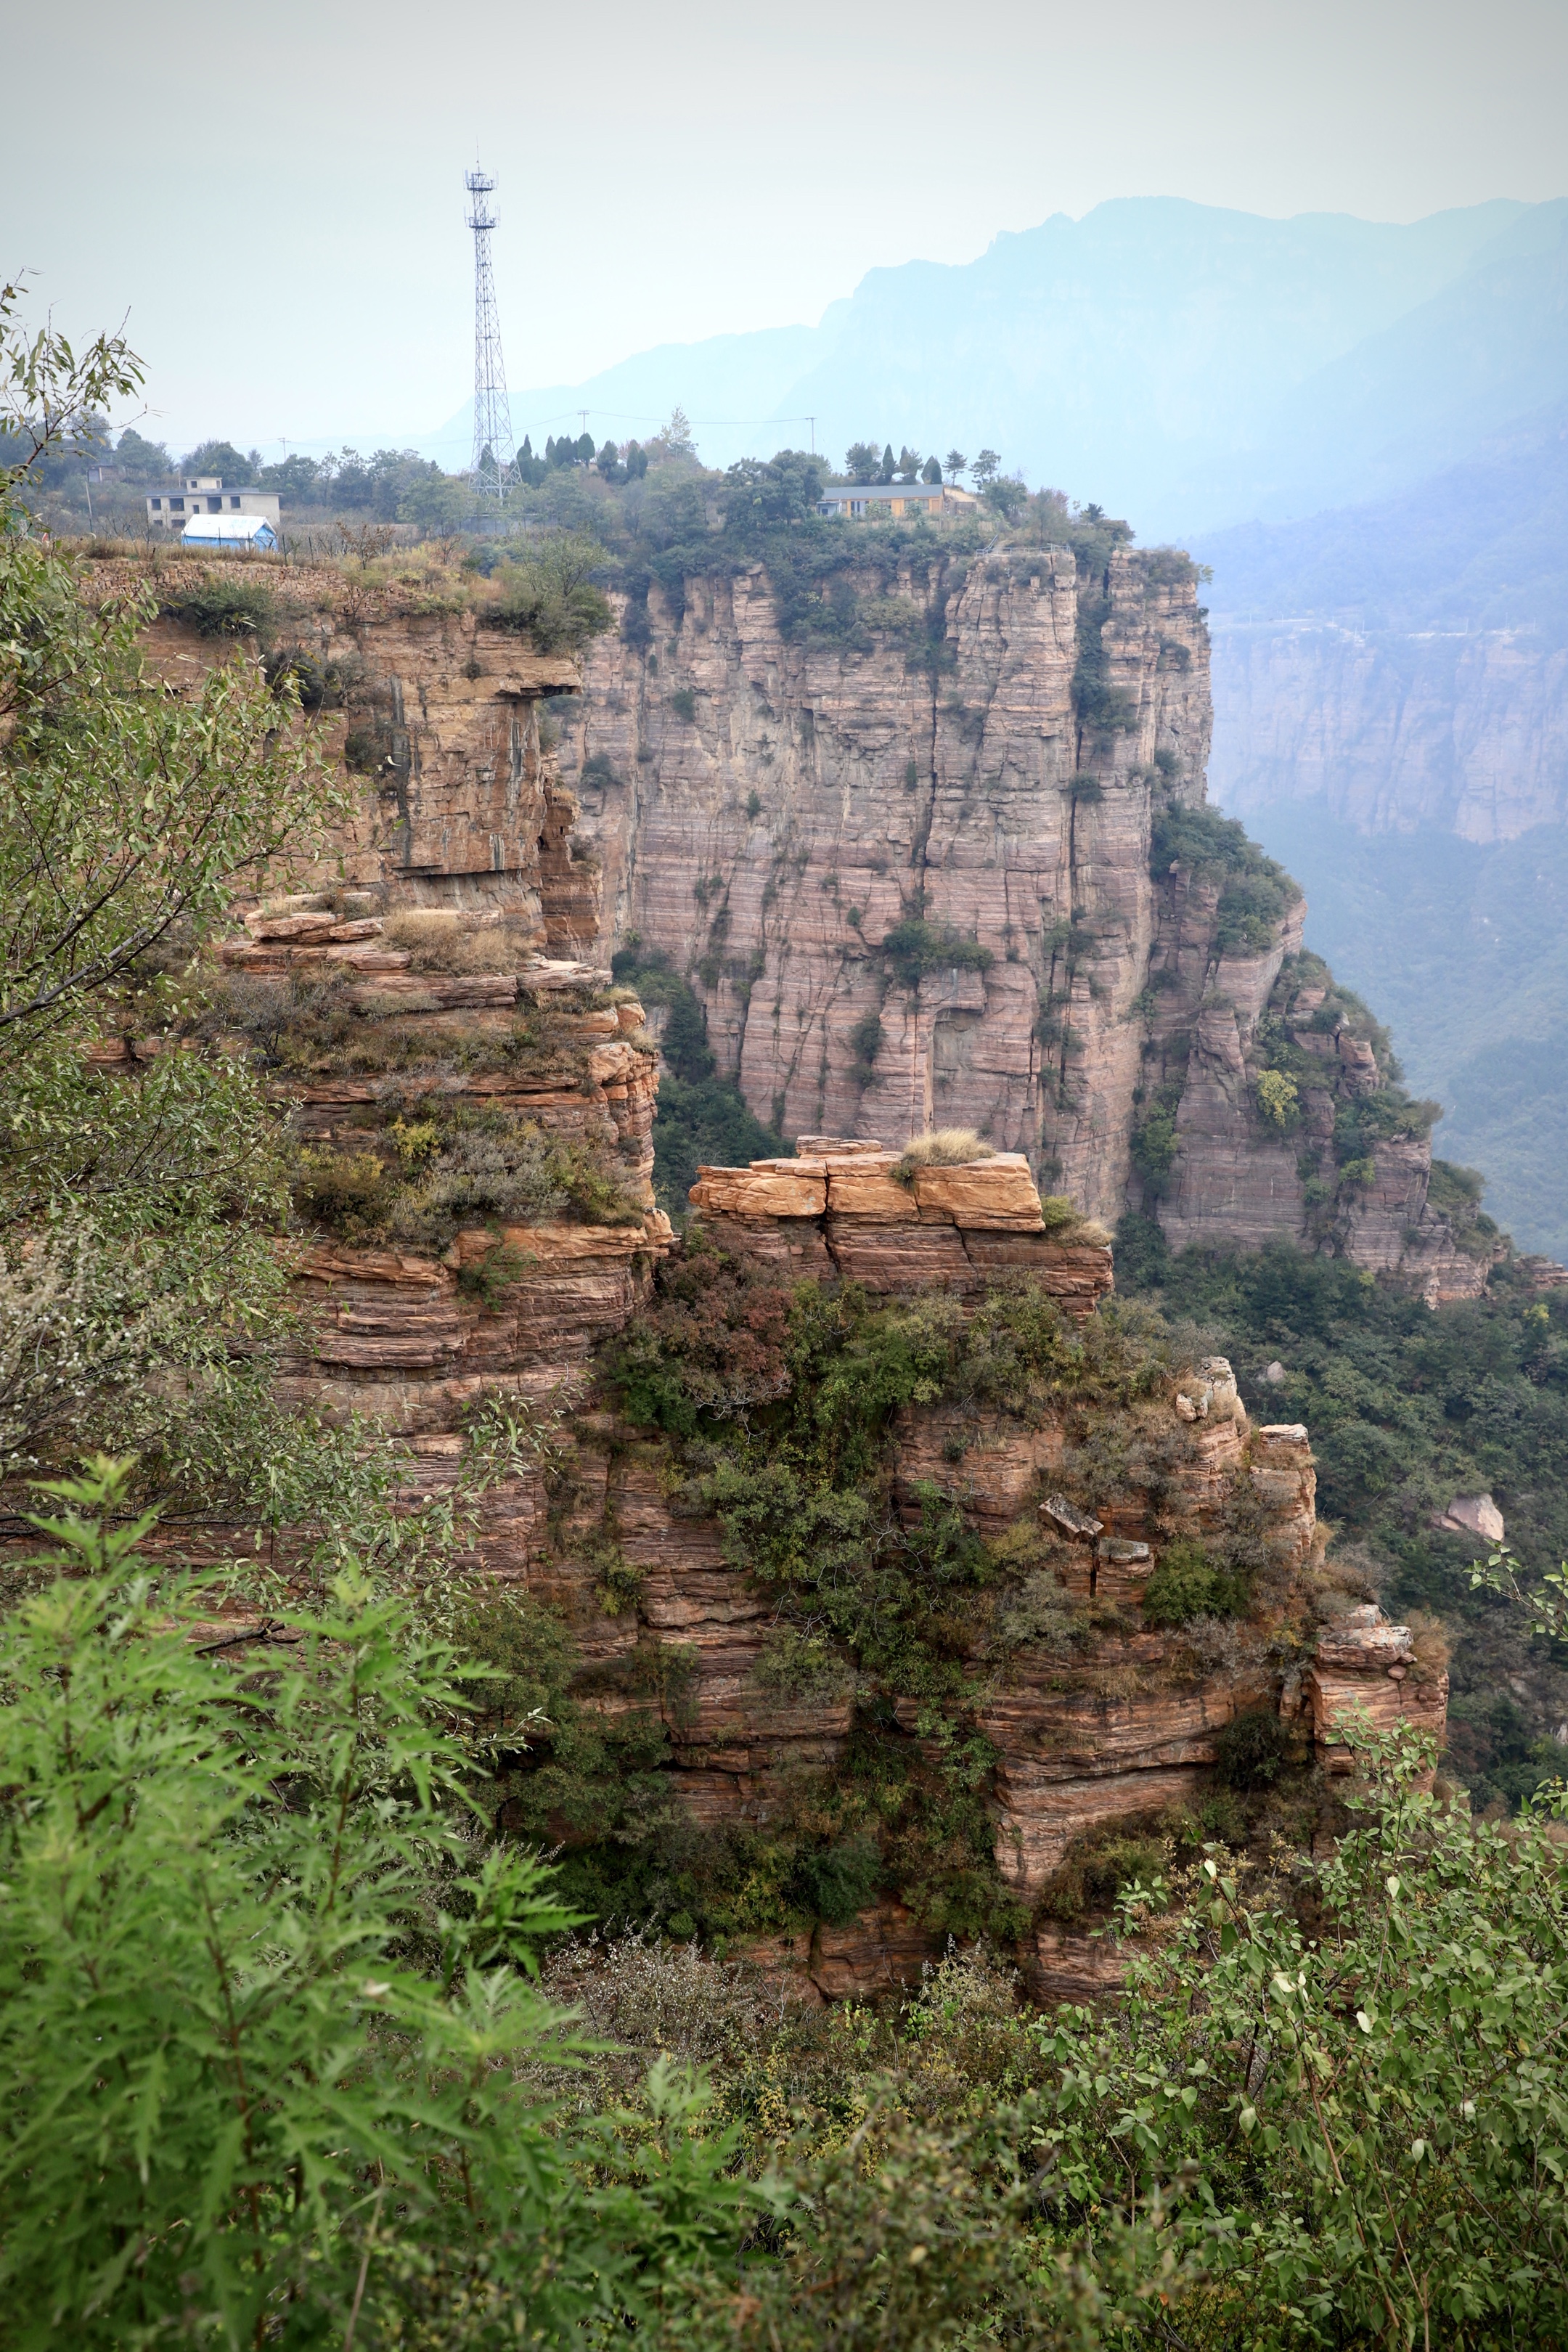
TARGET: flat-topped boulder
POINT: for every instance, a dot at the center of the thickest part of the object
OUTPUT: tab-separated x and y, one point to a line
1367	1674
858	1177
894	1222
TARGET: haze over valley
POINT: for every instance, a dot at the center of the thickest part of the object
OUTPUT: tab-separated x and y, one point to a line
783	1235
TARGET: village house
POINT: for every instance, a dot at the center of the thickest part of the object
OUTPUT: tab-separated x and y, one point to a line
171	509
856	501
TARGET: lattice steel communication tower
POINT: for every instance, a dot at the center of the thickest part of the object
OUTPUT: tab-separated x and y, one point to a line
494	467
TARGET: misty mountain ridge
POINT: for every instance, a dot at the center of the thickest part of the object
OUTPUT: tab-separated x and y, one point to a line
1479	546
1190	367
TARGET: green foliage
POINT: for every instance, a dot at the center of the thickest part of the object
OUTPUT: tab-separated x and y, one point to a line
268	2039
701	1118
461	1165
1278	1098
224	606
1256	894
779	1404
835	1882
1252	1749
548	595
1186	1584
52	398
1099	708
1409	1407
1353	2124
1155	1142
127	816
222	459
912	947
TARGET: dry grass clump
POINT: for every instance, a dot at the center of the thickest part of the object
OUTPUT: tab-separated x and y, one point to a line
943	1146
1432	1644
443	939
1066	1222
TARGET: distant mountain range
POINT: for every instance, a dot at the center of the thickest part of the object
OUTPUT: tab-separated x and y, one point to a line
1188	367
1391	720
1480	545
1362	429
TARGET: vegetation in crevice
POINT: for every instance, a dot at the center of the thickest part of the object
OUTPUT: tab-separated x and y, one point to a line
1255	893
1409	1406
702	1117
774	1405
419	1180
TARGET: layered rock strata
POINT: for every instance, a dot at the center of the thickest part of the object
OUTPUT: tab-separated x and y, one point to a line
1365	1673
1117	1729
1079	1743
905	864
774	809
816	797
837	1211
442	714
1467	729
1237	1180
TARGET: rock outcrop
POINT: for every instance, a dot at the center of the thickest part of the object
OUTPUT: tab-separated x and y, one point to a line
904	860
1365	1673
908	871
475	1114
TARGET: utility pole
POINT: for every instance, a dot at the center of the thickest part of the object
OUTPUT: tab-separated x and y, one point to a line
494	460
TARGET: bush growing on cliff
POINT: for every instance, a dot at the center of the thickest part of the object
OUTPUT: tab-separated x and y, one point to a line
1409	1407
1186	1585
142	1298
913	947
548	595
459	1166
1255	893
269	2047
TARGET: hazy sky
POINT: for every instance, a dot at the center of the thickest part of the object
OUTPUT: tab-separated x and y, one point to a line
275	195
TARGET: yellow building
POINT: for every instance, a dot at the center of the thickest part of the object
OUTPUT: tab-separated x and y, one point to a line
857	501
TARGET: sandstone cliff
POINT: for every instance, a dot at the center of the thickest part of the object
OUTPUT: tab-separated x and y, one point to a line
877	1579
920	874
944	859
1466	731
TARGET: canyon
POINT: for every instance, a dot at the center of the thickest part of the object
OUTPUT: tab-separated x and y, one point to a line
1464	731
772	813
433	1004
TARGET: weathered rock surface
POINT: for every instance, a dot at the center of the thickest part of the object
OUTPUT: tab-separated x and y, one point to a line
1119	1724
820	796
1467	731
952	1228
1366	1671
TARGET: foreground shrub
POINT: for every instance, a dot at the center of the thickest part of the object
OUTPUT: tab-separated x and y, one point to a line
266	2022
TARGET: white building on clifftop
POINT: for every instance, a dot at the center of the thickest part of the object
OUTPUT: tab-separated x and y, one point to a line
171	509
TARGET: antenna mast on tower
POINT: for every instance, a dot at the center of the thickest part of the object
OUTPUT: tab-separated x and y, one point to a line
494	469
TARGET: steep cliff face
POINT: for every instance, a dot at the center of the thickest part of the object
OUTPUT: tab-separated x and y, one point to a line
834	1706
443	717
935	854
920	872
769	811
1467	732
874	1576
